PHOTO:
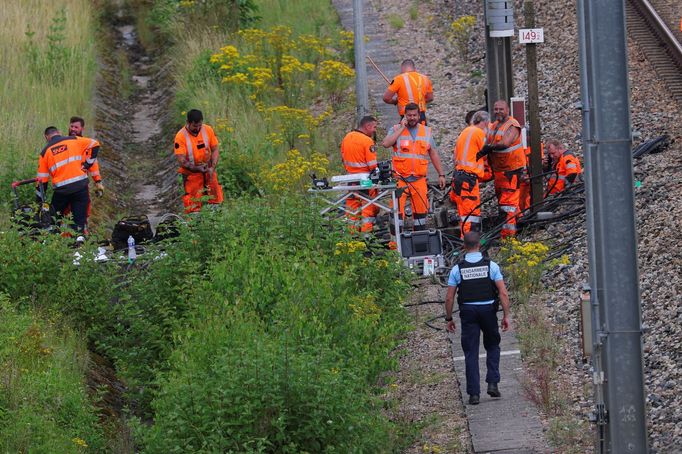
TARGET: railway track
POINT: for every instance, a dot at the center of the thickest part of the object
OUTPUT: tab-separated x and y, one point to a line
658	42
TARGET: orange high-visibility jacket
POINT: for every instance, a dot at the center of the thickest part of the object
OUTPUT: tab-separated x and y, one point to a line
567	165
410	156
411	87
470	142
62	160
358	152
93	171
197	149
511	158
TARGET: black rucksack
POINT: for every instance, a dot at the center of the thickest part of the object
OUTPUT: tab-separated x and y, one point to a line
138	227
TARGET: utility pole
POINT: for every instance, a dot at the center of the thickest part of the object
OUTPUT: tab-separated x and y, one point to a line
499	28
361	87
612	241
533	111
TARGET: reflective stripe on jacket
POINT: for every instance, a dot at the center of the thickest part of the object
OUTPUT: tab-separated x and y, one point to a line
358	152
196	149
410	156
510	158
567	165
411	87
62	160
470	142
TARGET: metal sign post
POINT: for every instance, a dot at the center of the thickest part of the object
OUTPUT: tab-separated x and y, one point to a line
361	87
530	37
499	28
612	240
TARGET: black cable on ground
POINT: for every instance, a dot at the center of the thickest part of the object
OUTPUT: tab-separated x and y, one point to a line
422	303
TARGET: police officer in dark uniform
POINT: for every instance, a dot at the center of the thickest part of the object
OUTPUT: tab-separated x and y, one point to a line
478	282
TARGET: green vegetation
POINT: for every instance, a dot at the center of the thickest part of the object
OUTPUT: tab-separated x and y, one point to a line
263	327
47	51
414	10
460	35
395	21
43	403
238	340
542	353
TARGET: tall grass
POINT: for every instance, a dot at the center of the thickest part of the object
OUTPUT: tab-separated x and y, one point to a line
47	76
248	126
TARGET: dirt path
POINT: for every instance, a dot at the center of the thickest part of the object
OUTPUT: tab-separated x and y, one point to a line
133	105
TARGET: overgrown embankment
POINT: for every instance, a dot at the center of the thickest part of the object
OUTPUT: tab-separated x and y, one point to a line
262	327
48	74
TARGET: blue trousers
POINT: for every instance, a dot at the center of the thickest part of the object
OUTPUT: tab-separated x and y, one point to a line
477	318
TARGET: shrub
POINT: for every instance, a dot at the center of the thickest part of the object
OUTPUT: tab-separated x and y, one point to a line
44	406
290	329
460	35
395	21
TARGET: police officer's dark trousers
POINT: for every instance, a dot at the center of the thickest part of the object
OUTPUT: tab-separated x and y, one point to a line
476	318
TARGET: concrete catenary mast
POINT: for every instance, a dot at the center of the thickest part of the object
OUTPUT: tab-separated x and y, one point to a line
612	241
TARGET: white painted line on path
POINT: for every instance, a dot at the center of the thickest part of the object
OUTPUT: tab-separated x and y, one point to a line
482	355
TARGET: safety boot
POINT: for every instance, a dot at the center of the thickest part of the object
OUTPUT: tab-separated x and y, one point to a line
493	391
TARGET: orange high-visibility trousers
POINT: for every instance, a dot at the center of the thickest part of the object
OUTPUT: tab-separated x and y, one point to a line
417	192
467	196
507	189
524	196
198	185
365	217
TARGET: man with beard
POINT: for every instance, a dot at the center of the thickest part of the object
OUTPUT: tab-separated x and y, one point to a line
413	145
507	159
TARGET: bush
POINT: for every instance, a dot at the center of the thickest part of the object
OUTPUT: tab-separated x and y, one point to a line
290	332
234	389
44	406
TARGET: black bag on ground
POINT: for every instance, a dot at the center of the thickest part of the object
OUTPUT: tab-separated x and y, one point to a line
137	226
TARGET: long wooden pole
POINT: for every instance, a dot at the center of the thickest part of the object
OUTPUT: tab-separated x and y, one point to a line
377	68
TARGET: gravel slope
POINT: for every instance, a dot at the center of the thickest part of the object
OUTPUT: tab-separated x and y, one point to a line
659	211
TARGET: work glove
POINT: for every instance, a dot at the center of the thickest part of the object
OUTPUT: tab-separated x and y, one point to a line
484	151
99	189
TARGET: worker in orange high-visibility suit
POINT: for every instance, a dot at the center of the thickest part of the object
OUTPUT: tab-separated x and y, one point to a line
76	126
413	145
359	155
469	168
196	149
565	165
409	87
66	160
508	160
524	188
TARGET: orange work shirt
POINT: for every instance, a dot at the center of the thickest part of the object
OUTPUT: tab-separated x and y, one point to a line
411	87
358	152
470	142
410	152
567	165
62	160
510	158
196	149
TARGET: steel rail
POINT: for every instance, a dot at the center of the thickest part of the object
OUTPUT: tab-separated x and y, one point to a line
660	29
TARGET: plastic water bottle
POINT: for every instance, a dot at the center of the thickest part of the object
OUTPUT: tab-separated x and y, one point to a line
132	255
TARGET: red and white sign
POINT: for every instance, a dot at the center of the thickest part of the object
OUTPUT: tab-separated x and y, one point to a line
531	35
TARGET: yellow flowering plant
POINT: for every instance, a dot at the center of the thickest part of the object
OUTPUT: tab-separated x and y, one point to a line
525	262
335	77
293	174
460	35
